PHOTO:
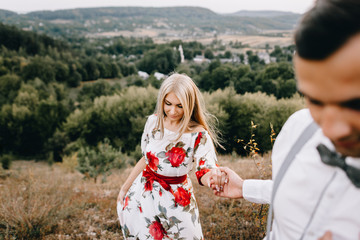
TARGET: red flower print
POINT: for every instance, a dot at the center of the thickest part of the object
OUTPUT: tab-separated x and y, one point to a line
182	197
149	185
202	162
153	160
176	156
198	139
126	202
156	230
140	209
160	193
201	173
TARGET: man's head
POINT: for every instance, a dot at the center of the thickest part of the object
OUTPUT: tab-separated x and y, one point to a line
327	66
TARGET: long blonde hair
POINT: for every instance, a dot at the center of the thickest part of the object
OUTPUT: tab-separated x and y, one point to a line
192	102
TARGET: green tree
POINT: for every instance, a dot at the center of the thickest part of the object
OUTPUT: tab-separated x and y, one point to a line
40	67
228	54
208	53
93	90
61	71
221	76
9	86
163	59
92	70
287	88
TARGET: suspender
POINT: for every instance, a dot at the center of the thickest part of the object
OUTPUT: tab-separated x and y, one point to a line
304	137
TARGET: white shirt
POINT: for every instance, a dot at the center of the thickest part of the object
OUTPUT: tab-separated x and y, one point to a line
312	198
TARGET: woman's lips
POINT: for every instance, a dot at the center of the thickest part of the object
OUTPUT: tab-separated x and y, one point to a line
173	117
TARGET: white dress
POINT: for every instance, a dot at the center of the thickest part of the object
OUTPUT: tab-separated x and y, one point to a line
152	212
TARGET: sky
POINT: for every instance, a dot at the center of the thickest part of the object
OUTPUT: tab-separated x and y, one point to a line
218	6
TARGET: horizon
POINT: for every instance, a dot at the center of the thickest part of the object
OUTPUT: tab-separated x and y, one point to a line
241	10
223	7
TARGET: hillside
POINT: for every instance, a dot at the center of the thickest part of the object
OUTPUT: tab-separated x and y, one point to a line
185	21
266	14
14	39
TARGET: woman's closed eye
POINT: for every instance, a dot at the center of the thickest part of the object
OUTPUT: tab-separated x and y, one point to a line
169	104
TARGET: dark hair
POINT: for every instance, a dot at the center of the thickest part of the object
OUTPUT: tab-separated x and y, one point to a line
326	27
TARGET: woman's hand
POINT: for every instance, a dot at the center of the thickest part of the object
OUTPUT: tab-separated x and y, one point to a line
139	167
215	179
121	196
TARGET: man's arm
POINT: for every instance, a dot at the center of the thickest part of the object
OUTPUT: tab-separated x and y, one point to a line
257	191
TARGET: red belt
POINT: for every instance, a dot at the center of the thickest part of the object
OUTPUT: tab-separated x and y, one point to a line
164	181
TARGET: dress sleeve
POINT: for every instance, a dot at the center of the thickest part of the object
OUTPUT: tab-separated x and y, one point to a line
204	155
146	134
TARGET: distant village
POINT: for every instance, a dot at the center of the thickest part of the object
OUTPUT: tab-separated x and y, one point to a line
199	59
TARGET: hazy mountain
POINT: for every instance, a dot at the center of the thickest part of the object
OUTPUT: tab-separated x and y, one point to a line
5	14
190	21
266	14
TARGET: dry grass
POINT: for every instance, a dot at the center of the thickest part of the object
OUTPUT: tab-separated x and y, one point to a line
43	202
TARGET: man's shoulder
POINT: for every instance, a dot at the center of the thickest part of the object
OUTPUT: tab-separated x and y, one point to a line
302	116
298	121
294	126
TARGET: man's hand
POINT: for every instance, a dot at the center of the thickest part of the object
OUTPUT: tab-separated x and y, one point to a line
233	187
326	236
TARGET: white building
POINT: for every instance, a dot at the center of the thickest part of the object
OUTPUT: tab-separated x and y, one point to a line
143	75
200	59
266	57
182	58
159	76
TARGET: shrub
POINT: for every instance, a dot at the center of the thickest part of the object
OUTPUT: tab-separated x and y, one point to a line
6	160
98	161
120	118
70	163
236	112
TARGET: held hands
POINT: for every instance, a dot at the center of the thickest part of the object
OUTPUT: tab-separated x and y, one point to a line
232	187
215	179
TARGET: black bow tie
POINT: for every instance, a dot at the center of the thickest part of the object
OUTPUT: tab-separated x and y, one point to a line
334	159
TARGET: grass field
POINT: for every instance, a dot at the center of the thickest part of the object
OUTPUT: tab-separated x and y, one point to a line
253	41
39	201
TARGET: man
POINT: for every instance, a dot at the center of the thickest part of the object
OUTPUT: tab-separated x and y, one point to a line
314	199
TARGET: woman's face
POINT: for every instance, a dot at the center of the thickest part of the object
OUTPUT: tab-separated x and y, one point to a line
173	108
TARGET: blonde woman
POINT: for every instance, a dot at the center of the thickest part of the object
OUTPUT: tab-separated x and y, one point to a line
157	200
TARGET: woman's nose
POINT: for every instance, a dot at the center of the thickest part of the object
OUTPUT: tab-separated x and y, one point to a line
172	110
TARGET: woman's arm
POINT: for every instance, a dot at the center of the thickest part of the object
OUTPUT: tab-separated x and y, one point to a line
140	166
